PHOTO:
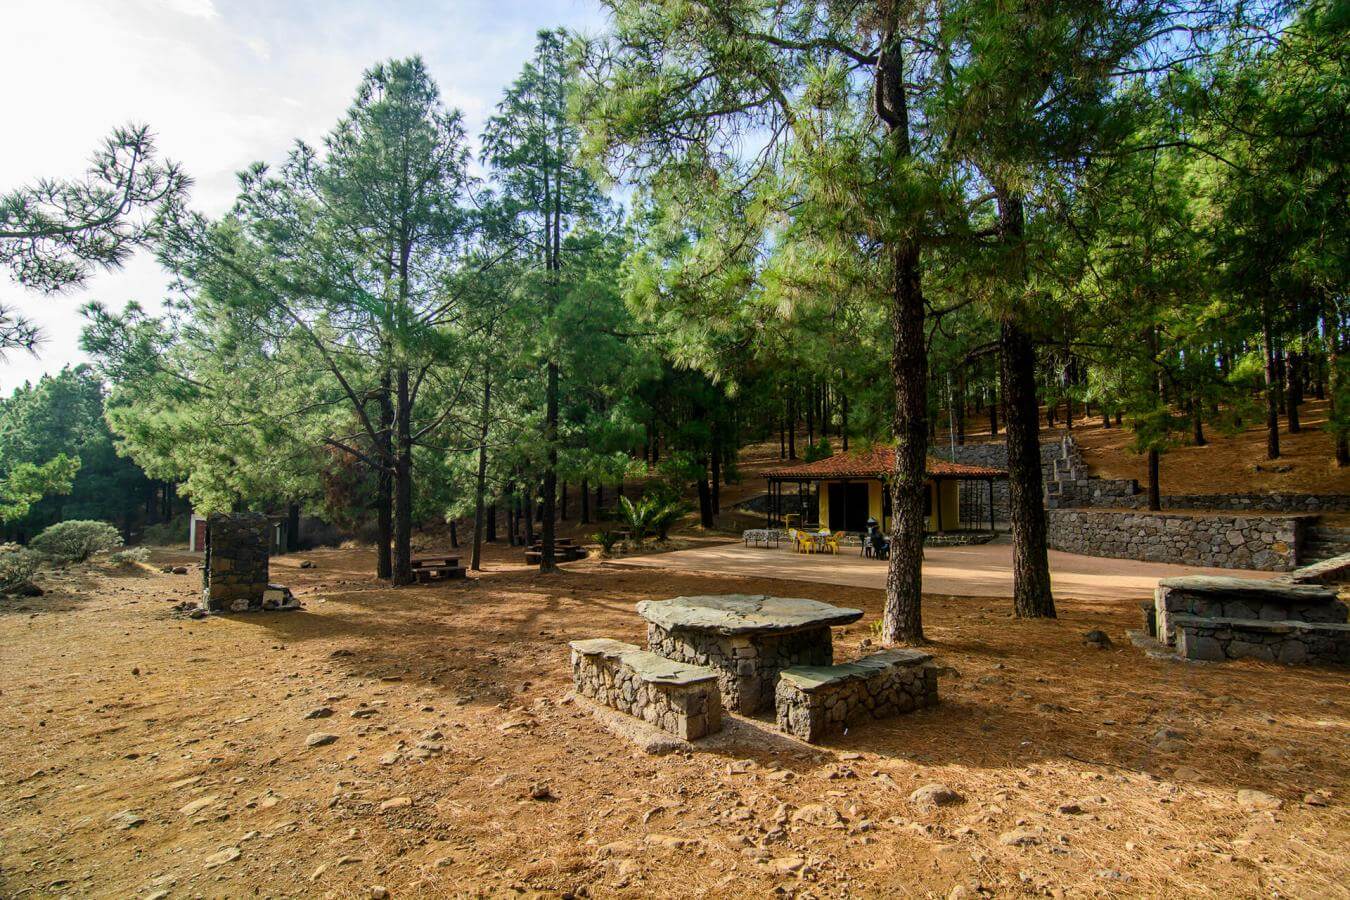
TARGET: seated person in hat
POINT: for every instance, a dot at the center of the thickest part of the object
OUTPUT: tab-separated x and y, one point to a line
876	540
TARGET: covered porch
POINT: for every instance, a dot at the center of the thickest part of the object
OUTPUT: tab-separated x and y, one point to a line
843	491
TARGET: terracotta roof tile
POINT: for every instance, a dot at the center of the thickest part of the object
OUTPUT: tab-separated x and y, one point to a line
876	462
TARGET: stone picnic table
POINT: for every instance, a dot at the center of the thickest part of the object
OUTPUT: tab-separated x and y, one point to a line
747	638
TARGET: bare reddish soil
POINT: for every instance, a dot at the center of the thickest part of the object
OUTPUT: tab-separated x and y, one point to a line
146	754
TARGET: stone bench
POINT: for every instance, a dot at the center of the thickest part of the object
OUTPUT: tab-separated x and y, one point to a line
1287	642
676	697
1223	597
812	701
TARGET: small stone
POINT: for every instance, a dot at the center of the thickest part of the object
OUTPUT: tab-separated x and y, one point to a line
229	854
320	739
1098	639
390	758
541	791
1019	838
364	712
198	805
1257	800
935	794
180	570
1069	809
307	565
395	803
127	818
787	865
321	712
668	841
1315	800
379	892
817	814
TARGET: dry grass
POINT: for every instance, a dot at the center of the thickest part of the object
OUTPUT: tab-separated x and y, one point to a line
113	704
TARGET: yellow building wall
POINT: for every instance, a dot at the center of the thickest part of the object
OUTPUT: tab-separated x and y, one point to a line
944	492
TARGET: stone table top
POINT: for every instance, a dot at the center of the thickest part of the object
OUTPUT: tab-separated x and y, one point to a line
729	614
648	666
1273	591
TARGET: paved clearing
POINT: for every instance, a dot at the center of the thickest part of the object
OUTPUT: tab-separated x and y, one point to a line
420	740
979	570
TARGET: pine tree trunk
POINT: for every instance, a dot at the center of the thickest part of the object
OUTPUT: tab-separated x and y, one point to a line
491	535
705	513
527	504
716	478
792	427
562	502
585	502
902	617
843	422
1293	390
1032	596
1332	335
993	411
480	484
403	483
384	490
1272	389
1154	489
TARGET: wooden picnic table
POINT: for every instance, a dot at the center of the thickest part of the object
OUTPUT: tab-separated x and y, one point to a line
747	638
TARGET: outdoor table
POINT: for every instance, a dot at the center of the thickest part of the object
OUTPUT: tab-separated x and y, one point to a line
747	638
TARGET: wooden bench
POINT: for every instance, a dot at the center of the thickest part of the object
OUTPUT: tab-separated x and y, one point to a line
679	698
437	568
561	552
812	701
1292	642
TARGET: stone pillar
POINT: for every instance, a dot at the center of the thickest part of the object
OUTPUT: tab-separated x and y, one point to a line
234	578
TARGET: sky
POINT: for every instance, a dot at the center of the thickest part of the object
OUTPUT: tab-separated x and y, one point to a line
222	83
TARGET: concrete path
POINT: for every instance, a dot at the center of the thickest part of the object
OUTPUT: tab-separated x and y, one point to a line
981	570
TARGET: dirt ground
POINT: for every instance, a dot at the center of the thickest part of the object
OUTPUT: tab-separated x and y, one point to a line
150	755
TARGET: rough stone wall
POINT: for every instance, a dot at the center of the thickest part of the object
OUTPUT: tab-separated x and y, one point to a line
1222	541
747	669
689	711
813	714
1274	502
1170	602
1294	643
234	578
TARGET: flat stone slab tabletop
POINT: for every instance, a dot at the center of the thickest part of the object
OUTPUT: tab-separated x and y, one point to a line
729	614
809	678
1274	591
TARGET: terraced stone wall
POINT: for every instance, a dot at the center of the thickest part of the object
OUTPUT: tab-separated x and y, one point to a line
1222	541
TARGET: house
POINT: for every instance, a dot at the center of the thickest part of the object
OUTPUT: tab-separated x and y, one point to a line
849	488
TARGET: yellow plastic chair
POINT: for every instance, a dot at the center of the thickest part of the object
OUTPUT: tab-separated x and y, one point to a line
832	542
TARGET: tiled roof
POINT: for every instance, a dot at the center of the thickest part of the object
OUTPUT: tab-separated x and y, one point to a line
876	462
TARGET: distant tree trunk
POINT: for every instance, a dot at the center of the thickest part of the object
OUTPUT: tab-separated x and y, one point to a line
705	510
1332	336
599	500
810	418
454	534
480	484
1032	597
403	482
1272	387
292	527
993	411
491	536
585	502
512	505
792	427
1198	422
716	486
528	505
782	439
843	429
1154	491
1279	376
960	409
1106	418
1293	386
384	484
562	502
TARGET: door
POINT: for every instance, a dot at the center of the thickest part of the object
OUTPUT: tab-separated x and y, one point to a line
848	507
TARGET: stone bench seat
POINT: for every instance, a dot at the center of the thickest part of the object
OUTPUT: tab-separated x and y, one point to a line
1293	642
676	697
812	701
1222	597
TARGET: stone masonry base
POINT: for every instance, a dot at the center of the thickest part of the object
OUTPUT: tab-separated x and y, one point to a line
812	701
677	698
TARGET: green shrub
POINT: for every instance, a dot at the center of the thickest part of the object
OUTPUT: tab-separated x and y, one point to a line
76	540
129	556
818	451
17	567
166	534
607	539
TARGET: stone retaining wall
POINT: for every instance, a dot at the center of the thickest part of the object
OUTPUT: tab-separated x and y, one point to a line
811	702
1222	541
747	666
677	698
1289	642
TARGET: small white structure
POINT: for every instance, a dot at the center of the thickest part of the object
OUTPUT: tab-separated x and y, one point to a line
197	534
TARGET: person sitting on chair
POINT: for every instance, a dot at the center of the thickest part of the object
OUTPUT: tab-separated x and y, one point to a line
877	541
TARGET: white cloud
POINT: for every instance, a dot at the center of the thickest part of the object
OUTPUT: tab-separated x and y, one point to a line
223	85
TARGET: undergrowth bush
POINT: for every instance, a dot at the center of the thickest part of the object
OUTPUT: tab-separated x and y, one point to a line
76	540
129	556
166	534
17	567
